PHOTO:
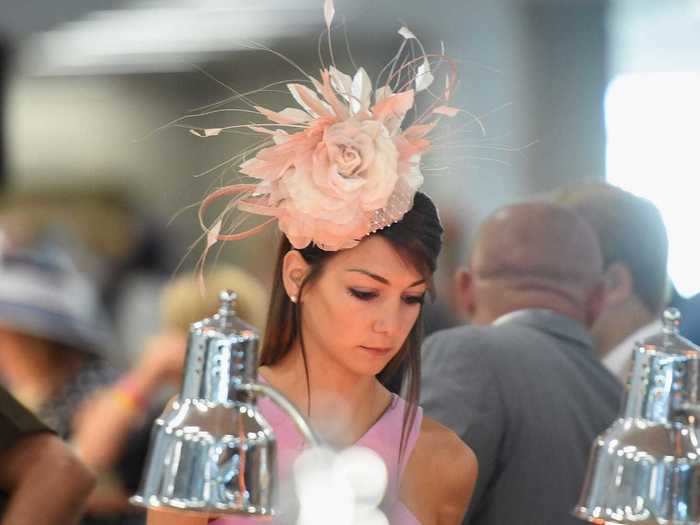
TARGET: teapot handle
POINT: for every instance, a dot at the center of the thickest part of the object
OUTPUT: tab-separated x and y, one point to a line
276	397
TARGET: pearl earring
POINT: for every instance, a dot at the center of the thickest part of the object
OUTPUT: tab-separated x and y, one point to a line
293	298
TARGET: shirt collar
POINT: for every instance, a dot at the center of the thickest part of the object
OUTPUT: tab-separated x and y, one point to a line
551	322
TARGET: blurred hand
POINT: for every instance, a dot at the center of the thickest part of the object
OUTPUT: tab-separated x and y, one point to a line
99	427
162	360
102	423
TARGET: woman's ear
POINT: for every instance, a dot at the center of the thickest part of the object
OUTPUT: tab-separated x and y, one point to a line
294	271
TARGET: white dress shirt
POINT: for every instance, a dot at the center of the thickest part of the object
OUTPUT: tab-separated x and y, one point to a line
619	359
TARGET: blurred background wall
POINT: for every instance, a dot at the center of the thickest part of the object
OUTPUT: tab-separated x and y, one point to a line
90	83
90	90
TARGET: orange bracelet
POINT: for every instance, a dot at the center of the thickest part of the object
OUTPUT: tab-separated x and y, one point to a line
127	395
125	401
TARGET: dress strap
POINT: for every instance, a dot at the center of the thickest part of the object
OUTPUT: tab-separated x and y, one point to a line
385	439
413	434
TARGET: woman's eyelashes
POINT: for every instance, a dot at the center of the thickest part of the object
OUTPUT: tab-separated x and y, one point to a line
414	299
363	295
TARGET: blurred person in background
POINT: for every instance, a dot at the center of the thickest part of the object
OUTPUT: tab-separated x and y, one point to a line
127	251
112	428
36	467
634	245
53	341
523	386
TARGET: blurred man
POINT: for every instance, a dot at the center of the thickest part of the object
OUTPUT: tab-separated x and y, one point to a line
523	387
52	343
41	480
634	244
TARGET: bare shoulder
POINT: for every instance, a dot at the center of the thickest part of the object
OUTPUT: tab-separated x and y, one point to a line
445	449
443	470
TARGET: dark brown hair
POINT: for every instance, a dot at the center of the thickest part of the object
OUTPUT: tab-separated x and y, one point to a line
630	231
417	237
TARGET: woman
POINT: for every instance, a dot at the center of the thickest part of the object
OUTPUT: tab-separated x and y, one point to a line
340	323
340	176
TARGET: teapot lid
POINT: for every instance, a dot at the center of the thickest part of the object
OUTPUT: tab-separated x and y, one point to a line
221	350
669	340
225	322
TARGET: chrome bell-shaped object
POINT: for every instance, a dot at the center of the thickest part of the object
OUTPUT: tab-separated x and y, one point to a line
645	469
212	451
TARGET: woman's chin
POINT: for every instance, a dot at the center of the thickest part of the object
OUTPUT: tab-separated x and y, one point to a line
370	362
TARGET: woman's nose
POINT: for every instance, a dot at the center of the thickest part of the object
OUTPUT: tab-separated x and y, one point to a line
387	323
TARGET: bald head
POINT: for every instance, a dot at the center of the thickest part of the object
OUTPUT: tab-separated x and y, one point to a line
534	255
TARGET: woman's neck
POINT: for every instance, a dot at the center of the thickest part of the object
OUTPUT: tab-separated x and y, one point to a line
343	405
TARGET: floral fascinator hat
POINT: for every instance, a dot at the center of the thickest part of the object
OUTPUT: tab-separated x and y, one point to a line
340	163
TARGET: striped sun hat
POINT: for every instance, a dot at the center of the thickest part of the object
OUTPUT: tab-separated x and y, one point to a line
46	296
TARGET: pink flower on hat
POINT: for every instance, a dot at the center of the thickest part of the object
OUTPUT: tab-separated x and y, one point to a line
340	166
325	182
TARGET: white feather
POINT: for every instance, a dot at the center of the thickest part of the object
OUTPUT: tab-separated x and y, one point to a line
361	91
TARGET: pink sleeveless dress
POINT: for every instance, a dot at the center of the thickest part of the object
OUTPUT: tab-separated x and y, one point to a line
383	437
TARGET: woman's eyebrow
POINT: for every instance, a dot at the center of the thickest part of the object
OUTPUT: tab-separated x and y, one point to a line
381	279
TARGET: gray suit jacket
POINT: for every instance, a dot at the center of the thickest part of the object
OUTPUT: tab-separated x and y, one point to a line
529	396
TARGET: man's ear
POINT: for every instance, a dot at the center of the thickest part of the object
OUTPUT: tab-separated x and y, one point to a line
464	284
595	304
294	271
619	285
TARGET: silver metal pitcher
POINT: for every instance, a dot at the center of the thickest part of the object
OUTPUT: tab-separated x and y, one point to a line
212	451
645	469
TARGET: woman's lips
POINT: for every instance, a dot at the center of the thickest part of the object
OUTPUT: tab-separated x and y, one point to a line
377	351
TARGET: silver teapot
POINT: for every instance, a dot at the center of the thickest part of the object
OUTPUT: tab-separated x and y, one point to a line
645	469
211	450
